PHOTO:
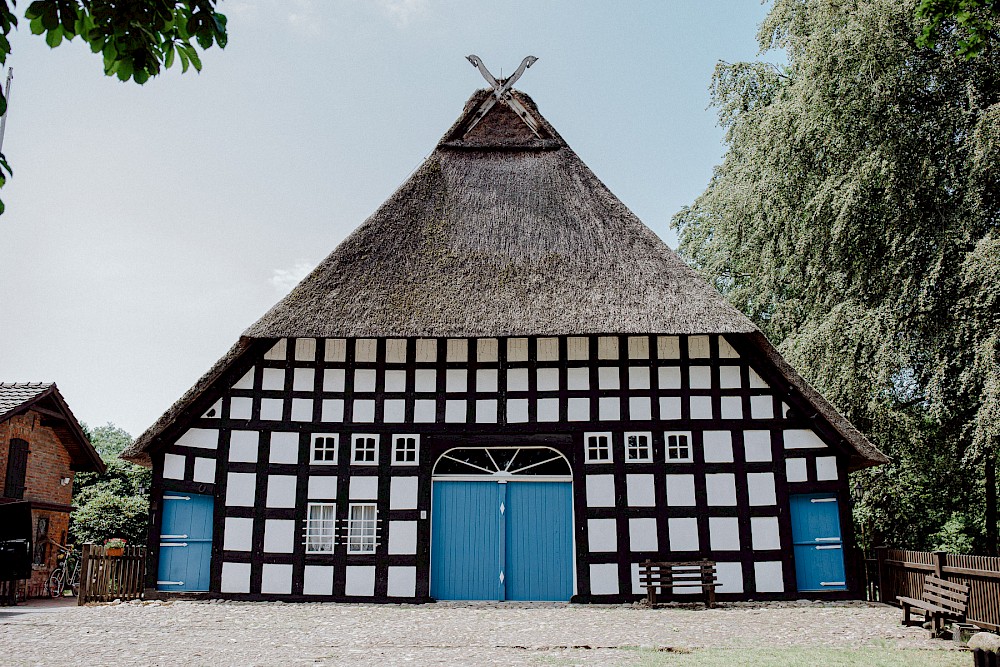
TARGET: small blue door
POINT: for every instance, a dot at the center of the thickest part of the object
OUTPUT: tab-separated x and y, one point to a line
539	555
817	542
185	542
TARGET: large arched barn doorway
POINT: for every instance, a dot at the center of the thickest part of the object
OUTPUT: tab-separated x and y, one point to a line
502	525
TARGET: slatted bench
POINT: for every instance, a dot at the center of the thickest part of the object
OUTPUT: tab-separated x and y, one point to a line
940	599
657	576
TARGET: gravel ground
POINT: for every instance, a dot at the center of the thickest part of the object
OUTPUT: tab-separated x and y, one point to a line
268	633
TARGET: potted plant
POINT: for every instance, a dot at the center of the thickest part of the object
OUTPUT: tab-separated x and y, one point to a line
114	546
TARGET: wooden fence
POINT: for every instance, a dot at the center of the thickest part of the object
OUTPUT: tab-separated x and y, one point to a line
901	573
105	578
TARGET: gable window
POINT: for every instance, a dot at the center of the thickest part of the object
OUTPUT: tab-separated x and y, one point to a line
364	450
324	449
17	466
320	524
678	447
361	528
597	447
405	450
638	447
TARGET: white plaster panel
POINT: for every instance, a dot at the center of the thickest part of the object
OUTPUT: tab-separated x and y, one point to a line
304	379
718	446
363	487
454	412
760	486
517	379
486	380
322	487
638	347
333	379
364	379
602	535
701	407
281	490
517	410
394	411
271	408
724	533
764	533
336	349
639	491
359	580
426	350
548	409
235	578
402	537
670	407
683	533
638	377
637	587
425	380
302	409
769	576
727	351
273	380
729	377
240	407
243	446
578	409
395	382
276	578
642	534
238	534
333	410
402	582
365	349
204	470
604	579
204	438
757	445
607	347
761	407
640	408
279	351
403	493
826	468
517	349
364	411
215	411
600	490
456	380
424	411
548	379
173	466
577	349
731	407
609	408
698	347
578	379
730	577
547	349
487	350
756	381
700	377
245	382
240	489
795	470
721	489
607	377
284	447
680	490
486	411
279	536
317	580
670	377
802	438
395	351
668	347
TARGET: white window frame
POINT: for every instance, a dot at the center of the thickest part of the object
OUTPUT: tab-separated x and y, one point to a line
648	446
355	439
358	534
316	437
666	446
587	451
397	450
316	532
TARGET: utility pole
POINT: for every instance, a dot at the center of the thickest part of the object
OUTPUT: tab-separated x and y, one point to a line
6	94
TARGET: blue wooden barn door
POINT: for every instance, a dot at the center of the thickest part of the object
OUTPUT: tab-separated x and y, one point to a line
539	558
466	541
185	542
817	541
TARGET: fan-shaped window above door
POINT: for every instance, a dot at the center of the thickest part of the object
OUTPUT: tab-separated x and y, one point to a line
502	462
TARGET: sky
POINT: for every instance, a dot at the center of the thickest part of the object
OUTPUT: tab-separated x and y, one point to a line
147	226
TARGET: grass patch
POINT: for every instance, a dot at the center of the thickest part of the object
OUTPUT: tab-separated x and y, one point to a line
801	657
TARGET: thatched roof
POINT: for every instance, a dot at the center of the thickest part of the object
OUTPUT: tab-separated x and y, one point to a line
501	232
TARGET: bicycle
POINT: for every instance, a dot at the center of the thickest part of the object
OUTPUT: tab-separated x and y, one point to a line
63	575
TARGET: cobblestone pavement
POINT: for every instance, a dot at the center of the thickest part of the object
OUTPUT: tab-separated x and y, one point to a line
268	633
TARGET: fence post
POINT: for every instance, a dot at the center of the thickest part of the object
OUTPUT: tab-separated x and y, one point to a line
81	597
939	560
881	554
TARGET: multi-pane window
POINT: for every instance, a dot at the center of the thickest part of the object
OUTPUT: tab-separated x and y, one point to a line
361	528
364	450
638	447
678	446
405	450
324	449
598	447
320	524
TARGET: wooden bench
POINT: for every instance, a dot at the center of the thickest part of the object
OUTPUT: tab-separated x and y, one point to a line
939	600
657	576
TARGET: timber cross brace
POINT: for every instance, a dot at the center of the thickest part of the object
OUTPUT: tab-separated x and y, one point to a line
501	93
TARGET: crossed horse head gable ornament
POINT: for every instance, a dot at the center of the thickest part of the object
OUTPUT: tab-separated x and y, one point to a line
501	93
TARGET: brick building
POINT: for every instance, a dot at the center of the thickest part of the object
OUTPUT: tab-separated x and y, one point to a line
41	448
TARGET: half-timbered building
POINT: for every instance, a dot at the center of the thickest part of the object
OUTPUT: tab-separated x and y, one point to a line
501	386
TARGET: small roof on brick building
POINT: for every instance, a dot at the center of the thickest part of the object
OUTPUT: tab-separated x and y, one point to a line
44	398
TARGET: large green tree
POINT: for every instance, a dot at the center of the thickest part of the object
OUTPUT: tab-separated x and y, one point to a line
855	219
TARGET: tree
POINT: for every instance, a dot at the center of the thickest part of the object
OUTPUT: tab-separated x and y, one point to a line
136	39
855	218
977	21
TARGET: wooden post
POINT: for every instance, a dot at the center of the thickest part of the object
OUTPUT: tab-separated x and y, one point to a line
81	597
880	572
708	581
939	557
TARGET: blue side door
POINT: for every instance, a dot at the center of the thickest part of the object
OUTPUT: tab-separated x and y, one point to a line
466	541
817	542
539	541
185	542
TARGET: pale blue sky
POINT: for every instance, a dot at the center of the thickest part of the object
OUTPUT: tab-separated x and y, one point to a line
147	227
